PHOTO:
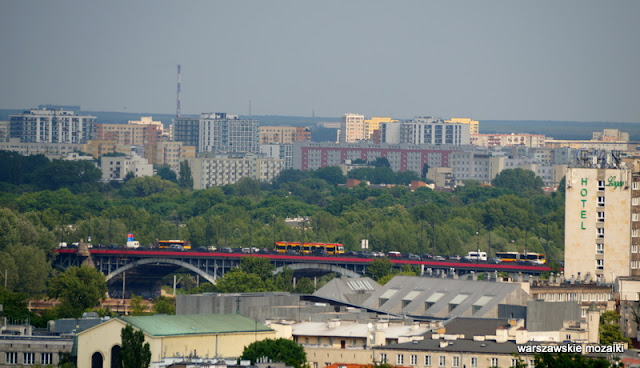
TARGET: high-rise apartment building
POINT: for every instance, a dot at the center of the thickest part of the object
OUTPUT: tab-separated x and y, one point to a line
218	132
351	128
51	126
602	223
373	124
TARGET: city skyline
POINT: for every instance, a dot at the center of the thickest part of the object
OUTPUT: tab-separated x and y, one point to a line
571	61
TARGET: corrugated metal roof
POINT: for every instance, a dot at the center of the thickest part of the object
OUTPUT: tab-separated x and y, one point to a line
164	325
482	300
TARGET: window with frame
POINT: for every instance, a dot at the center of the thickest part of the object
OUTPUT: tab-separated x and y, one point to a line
599	248
635	217
400	359
413	359
601	216
635	232
494	362
634	201
600	201
427	360
455	361
28	358
514	362
600	232
383	357
11	357
47	358
601	185
443	361
474	361
599	264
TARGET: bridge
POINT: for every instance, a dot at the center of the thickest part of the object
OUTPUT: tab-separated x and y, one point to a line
114	263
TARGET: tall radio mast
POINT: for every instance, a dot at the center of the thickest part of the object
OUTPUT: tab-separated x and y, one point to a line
178	94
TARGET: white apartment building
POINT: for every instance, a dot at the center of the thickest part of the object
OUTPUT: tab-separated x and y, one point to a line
218	132
51	126
225	169
602	223
351	128
425	130
116	168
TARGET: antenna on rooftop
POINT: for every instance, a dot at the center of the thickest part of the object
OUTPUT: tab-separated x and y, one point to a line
178	93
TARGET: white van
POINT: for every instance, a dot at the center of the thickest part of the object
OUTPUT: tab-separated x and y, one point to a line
476	256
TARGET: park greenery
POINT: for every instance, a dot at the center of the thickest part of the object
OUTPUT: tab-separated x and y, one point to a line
276	350
44	203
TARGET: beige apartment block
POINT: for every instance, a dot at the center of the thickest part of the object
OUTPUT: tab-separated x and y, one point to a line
474	125
602	227
373	124
351	128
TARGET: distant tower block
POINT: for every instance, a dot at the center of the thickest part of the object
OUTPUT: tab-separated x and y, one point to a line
178	94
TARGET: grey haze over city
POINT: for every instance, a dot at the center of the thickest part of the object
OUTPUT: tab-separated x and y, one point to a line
543	60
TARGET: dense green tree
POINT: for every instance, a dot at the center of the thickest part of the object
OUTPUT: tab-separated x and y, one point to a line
276	350
14	304
78	288
330	174
381	162
164	305
238	281
165	173
258	266
62	173
137	305
568	360
522	182
379	268
304	286
135	352
610	329
185	179
26	268
248	187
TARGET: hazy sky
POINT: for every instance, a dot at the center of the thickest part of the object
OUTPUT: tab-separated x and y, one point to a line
539	60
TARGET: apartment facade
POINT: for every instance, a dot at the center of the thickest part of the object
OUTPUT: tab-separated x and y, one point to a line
116	168
218	132
284	134
372	124
425	130
602	223
51	126
225	169
136	133
503	140
474	125
402	157
351	128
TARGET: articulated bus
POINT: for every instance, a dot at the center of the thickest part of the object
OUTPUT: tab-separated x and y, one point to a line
309	248
166	244
535	258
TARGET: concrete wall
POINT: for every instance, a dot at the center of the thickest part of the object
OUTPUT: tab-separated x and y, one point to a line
544	316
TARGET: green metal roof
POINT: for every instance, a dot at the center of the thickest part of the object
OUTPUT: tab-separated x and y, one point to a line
190	324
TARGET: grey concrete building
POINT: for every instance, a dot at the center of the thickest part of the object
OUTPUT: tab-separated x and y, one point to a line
445	298
218	132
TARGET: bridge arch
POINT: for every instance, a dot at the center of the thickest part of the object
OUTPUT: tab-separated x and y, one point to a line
320	266
176	262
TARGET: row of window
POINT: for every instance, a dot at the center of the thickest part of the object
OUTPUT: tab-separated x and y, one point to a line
442	361
28	358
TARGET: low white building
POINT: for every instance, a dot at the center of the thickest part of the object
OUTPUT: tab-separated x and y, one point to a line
116	168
